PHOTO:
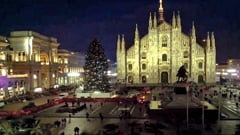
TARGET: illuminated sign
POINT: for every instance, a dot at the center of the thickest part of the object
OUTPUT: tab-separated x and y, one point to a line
73	74
17	75
231	70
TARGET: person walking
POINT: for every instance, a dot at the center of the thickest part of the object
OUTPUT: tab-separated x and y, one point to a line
69	118
90	106
87	116
140	109
76	130
120	116
101	116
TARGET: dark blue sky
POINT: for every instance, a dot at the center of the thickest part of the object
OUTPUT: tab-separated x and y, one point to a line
76	22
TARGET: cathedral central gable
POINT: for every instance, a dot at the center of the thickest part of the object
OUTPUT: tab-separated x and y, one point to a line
164	26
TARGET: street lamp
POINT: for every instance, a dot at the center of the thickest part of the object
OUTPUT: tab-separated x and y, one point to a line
219	103
203	101
219	108
187	89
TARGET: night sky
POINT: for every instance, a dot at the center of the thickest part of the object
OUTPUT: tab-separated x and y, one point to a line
75	23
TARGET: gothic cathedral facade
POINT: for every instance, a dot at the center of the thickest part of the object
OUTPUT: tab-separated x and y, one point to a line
157	56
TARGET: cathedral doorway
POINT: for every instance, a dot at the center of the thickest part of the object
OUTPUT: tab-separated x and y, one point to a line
164	77
144	79
130	79
200	78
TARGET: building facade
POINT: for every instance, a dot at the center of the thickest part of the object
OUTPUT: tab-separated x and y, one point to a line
3	66
34	59
157	56
70	67
229	71
30	62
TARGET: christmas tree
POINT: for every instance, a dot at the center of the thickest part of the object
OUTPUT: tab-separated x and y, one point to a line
96	66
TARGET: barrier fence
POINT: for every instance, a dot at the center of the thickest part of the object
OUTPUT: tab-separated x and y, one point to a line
29	111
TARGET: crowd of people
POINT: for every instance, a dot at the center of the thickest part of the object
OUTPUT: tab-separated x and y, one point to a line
62	123
212	94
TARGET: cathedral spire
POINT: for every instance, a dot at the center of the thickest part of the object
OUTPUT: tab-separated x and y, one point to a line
173	20
212	40
155	20
193	33
123	44
179	20
208	41
150	21
118	44
136	33
161	19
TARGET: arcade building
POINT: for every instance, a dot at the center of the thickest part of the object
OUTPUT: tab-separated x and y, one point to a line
32	62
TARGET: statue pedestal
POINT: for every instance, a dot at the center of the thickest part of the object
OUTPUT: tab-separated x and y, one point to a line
180	90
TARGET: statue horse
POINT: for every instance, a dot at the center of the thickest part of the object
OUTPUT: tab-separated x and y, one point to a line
182	78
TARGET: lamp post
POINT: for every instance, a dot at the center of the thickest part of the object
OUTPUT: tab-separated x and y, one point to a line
219	103
203	101
187	88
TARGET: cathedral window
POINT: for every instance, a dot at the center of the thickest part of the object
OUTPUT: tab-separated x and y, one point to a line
144	55
144	46
184	43
130	79
186	65
185	54
164	41
144	79
200	65
129	66
164	57
144	66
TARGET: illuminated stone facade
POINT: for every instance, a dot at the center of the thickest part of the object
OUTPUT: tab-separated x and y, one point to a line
29	61
157	56
3	66
33	60
3	54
